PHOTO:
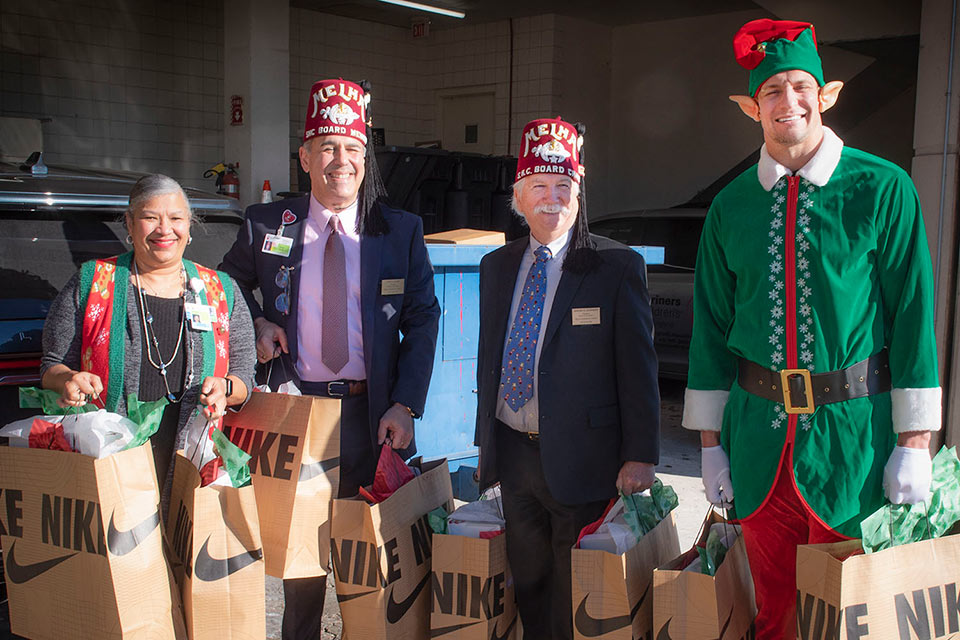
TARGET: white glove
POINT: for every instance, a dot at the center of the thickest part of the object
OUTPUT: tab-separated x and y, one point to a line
906	477
715	467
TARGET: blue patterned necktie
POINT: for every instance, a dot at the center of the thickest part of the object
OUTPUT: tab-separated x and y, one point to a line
516	376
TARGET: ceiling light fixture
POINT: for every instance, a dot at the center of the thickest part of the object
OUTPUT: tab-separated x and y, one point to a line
427	7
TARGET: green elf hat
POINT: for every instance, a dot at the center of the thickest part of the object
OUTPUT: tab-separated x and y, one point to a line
767	47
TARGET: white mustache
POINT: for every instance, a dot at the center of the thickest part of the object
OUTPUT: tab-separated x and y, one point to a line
551	208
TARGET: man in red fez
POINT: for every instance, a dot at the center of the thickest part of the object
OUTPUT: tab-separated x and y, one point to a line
342	275
568	410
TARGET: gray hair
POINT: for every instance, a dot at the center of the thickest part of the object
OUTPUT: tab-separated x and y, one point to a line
149	187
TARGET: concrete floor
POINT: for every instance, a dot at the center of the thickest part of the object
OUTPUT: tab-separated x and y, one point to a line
679	467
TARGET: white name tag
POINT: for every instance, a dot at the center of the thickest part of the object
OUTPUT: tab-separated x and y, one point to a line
585	315
391	287
200	316
277	245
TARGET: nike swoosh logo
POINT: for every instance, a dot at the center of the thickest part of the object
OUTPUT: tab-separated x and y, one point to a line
312	470
396	610
440	631
495	636
346	597
121	543
592	627
209	569
664	633
19	573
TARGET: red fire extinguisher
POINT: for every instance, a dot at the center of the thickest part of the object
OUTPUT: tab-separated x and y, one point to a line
231	181
228	182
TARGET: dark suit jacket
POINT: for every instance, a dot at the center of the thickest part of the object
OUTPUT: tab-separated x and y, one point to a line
397	370
598	396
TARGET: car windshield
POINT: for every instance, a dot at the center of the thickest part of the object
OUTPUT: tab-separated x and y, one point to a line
679	236
41	250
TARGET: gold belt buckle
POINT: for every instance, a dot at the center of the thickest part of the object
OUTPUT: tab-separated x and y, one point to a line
788	406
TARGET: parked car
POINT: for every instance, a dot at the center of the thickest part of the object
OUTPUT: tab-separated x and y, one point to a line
671	283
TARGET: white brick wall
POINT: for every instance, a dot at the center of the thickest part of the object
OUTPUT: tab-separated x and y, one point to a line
126	85
408	74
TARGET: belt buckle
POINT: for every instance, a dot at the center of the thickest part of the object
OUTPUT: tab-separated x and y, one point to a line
785	375
338	389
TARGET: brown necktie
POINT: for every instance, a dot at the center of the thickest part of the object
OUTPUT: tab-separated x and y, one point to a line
334	346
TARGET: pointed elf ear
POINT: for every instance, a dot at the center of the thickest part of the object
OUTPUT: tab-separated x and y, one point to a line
829	93
749	106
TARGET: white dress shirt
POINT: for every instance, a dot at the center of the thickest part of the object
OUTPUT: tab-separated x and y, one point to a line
527	418
310	366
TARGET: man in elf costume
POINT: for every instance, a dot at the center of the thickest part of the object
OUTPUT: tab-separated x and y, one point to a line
813	363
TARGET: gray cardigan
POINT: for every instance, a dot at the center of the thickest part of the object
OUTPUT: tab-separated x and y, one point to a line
62	338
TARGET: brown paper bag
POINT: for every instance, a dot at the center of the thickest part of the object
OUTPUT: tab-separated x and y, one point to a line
294	442
382	557
693	606
214	535
612	594
82	546
472	588
905	592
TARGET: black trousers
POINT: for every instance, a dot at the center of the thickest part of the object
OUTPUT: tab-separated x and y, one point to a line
304	597
540	533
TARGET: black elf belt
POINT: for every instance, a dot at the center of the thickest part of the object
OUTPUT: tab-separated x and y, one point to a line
800	391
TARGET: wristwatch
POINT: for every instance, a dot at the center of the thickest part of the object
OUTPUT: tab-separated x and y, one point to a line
229	383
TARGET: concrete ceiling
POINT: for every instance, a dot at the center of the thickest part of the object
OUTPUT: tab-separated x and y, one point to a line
836	21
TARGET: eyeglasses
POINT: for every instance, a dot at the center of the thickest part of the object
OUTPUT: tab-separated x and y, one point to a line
282	303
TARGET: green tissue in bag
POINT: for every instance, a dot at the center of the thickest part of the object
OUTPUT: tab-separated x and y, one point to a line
234	459
643	513
438	520
46	401
146	415
894	524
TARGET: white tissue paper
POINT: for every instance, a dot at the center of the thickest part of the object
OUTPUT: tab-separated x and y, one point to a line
474	518
97	434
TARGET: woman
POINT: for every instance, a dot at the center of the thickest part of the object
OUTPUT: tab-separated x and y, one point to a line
139	324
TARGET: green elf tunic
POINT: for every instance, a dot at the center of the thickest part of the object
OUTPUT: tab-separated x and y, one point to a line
817	270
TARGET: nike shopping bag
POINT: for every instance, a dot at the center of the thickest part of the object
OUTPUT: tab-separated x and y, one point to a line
294	444
82	546
689	604
472	588
903	592
214	536
382	557
613	594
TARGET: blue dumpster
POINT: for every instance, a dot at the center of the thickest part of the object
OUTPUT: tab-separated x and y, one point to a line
446	430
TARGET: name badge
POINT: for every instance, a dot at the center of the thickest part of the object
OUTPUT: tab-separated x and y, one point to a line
199	316
277	245
391	287
586	315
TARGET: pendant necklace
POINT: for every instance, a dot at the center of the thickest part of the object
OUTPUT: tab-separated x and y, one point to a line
150	334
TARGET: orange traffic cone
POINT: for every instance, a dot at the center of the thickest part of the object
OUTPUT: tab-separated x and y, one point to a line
267	195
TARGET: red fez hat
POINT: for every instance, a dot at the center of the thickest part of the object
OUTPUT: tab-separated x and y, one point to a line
337	108
550	146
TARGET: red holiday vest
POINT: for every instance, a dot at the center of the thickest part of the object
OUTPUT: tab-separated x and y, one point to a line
105	320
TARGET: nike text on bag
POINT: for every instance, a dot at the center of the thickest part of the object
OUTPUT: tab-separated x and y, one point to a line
472	589
294	444
901	593
82	546
217	557
613	594
382	557
688	605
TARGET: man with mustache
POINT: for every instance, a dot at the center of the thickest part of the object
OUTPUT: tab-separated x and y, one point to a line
568	410
813	363
342	275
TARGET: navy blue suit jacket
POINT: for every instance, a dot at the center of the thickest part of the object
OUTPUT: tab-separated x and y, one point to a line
397	370
597	384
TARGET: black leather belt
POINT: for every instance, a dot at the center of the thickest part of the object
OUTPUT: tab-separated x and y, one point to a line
800	391
336	388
